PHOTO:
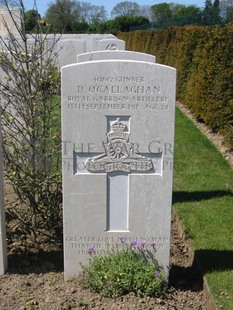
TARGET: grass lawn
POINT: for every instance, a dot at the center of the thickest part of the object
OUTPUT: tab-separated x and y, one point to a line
203	200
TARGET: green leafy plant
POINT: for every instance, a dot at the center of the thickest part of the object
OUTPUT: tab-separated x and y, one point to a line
124	269
80	302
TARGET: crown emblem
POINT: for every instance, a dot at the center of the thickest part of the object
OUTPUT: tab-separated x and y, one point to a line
117	131
120	154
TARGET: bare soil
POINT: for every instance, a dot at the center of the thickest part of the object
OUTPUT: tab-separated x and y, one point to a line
35	281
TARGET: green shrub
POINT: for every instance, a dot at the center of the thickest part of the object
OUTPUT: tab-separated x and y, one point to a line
124	270
203	57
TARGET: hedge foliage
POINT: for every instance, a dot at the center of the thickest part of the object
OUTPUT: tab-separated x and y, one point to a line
203	57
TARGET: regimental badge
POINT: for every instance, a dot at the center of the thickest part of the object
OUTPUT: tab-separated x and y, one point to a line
119	153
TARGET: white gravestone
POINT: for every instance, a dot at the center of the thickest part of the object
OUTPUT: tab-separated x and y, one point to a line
94	39
92	42
9	21
110	54
111	44
117	133
69	49
3	251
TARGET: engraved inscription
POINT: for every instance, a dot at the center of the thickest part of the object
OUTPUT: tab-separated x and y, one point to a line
120	154
115	106
118	93
101	245
119	89
112	47
119	79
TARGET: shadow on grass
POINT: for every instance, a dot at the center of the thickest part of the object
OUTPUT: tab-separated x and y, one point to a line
41	262
214	260
182	196
191	278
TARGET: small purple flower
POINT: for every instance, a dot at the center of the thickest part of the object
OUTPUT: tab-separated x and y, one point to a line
142	244
90	250
153	245
122	238
157	275
133	243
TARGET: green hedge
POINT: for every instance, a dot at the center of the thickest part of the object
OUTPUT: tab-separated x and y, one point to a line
203	57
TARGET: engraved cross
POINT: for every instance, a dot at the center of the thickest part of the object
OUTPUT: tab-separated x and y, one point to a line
118	161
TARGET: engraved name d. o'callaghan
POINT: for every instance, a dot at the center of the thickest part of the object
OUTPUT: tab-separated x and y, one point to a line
119	153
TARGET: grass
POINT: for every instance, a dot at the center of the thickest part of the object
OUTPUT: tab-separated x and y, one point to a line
203	200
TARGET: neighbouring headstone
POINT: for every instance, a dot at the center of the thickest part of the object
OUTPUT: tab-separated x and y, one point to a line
69	46
118	133
10	20
68	49
92	40
111	44
3	251
107	54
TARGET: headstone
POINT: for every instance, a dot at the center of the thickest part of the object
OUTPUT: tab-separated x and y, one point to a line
117	133
107	54
3	251
3	49
69	49
111	44
32	44
7	23
92	40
